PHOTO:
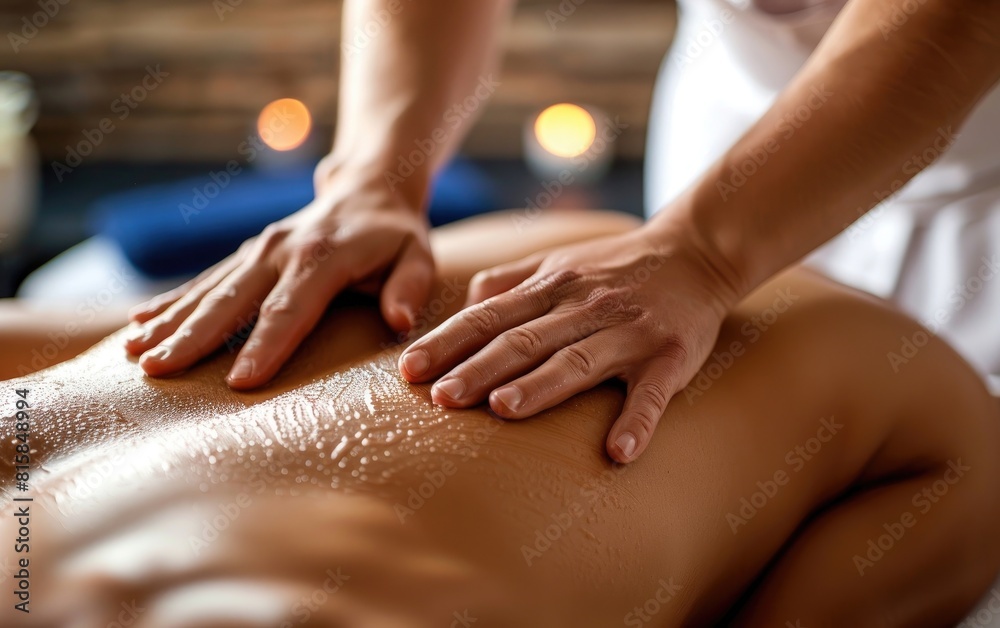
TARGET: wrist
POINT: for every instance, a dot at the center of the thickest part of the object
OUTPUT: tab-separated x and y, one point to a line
410	186
680	224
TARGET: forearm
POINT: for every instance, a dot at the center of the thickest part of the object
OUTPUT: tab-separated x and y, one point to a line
405	82
876	97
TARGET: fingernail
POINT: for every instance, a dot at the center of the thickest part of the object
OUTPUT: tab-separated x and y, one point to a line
510	397
452	388
241	370
416	362
158	353
626	442
137	334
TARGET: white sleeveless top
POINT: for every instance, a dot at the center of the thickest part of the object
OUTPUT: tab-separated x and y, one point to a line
933	248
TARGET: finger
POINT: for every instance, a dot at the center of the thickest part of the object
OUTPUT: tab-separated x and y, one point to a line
144	337
501	278
571	370
142	312
146	310
513	353
644	405
471	329
408	287
287	315
224	309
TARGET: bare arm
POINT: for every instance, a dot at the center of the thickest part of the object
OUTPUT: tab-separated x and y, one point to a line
407	65
880	91
646	307
407	82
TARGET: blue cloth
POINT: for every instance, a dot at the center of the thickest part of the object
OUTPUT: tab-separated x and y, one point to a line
182	228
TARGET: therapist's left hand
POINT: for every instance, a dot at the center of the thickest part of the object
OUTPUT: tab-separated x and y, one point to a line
644	307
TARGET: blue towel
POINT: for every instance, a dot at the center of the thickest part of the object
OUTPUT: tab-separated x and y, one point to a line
182	228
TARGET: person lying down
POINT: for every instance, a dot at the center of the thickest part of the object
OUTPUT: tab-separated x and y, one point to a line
804	484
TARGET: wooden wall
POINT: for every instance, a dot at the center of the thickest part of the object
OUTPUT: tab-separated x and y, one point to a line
222	71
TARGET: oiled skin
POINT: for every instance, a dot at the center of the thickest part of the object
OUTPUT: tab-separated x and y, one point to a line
318	484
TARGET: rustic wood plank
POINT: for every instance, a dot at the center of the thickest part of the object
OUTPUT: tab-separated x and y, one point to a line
222	71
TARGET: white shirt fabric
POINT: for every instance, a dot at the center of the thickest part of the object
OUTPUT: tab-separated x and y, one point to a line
933	248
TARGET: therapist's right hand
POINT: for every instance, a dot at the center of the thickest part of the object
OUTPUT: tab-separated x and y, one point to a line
356	231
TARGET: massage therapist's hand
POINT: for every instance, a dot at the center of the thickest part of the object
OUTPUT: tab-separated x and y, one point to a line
356	231
644	307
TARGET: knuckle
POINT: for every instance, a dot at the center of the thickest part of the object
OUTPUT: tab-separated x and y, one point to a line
483	319
644	424
168	319
610	304
480	280
245	248
277	305
162	324
216	296
559	282
313	249
524	343
580	361
270	237
651	400
675	348
475	373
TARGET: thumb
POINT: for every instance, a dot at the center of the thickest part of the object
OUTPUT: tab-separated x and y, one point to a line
645	403
408	287
493	281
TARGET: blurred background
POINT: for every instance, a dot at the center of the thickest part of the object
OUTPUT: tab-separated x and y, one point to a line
145	119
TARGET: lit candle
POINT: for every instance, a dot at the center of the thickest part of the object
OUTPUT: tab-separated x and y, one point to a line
566	141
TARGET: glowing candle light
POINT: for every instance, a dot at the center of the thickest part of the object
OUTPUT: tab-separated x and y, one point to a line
284	124
565	130
571	144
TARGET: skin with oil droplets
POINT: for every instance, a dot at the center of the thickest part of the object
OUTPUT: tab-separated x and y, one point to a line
340	496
